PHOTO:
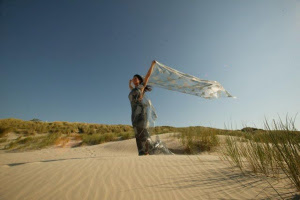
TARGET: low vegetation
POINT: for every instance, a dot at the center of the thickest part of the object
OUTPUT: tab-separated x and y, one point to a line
35	134
30	142
198	139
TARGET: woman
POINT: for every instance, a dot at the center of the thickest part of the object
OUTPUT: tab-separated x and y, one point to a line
140	116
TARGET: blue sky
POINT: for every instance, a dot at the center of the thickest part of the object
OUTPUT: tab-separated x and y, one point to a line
72	60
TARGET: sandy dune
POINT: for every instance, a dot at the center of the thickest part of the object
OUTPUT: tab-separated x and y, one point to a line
114	171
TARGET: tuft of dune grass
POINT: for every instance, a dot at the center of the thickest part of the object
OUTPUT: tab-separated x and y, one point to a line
273	152
5	129
62	141
195	139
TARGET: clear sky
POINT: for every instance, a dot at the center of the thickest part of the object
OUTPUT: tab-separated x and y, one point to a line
70	60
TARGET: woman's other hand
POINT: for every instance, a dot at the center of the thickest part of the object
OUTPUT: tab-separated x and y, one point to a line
130	86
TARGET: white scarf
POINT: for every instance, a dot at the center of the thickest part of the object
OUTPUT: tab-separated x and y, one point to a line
172	79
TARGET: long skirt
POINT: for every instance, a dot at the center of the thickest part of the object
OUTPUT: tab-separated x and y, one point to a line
145	144
143	140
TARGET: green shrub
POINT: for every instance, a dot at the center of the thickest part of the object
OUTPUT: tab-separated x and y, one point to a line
97	138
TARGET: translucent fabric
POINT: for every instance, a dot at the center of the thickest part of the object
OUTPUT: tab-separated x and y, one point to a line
166	77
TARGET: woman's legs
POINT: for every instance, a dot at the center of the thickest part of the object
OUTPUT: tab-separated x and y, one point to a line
142	140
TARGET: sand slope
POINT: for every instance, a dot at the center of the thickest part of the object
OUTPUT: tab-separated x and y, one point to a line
114	171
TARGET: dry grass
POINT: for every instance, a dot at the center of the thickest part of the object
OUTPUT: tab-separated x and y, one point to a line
62	141
30	142
38	134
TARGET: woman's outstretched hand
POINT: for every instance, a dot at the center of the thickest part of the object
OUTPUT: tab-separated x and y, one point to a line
130	81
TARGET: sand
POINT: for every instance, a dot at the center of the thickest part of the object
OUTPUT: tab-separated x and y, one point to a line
114	171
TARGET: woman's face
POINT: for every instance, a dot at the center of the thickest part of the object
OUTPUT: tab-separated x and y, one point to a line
135	81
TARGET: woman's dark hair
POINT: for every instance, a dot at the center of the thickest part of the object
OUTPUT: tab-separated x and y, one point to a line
148	87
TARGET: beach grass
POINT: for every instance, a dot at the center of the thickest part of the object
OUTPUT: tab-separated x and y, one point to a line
273	152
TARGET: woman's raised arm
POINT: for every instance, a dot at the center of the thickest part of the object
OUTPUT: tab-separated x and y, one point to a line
148	74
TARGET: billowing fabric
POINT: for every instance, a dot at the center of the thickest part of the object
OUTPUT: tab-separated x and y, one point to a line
172	79
143	118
